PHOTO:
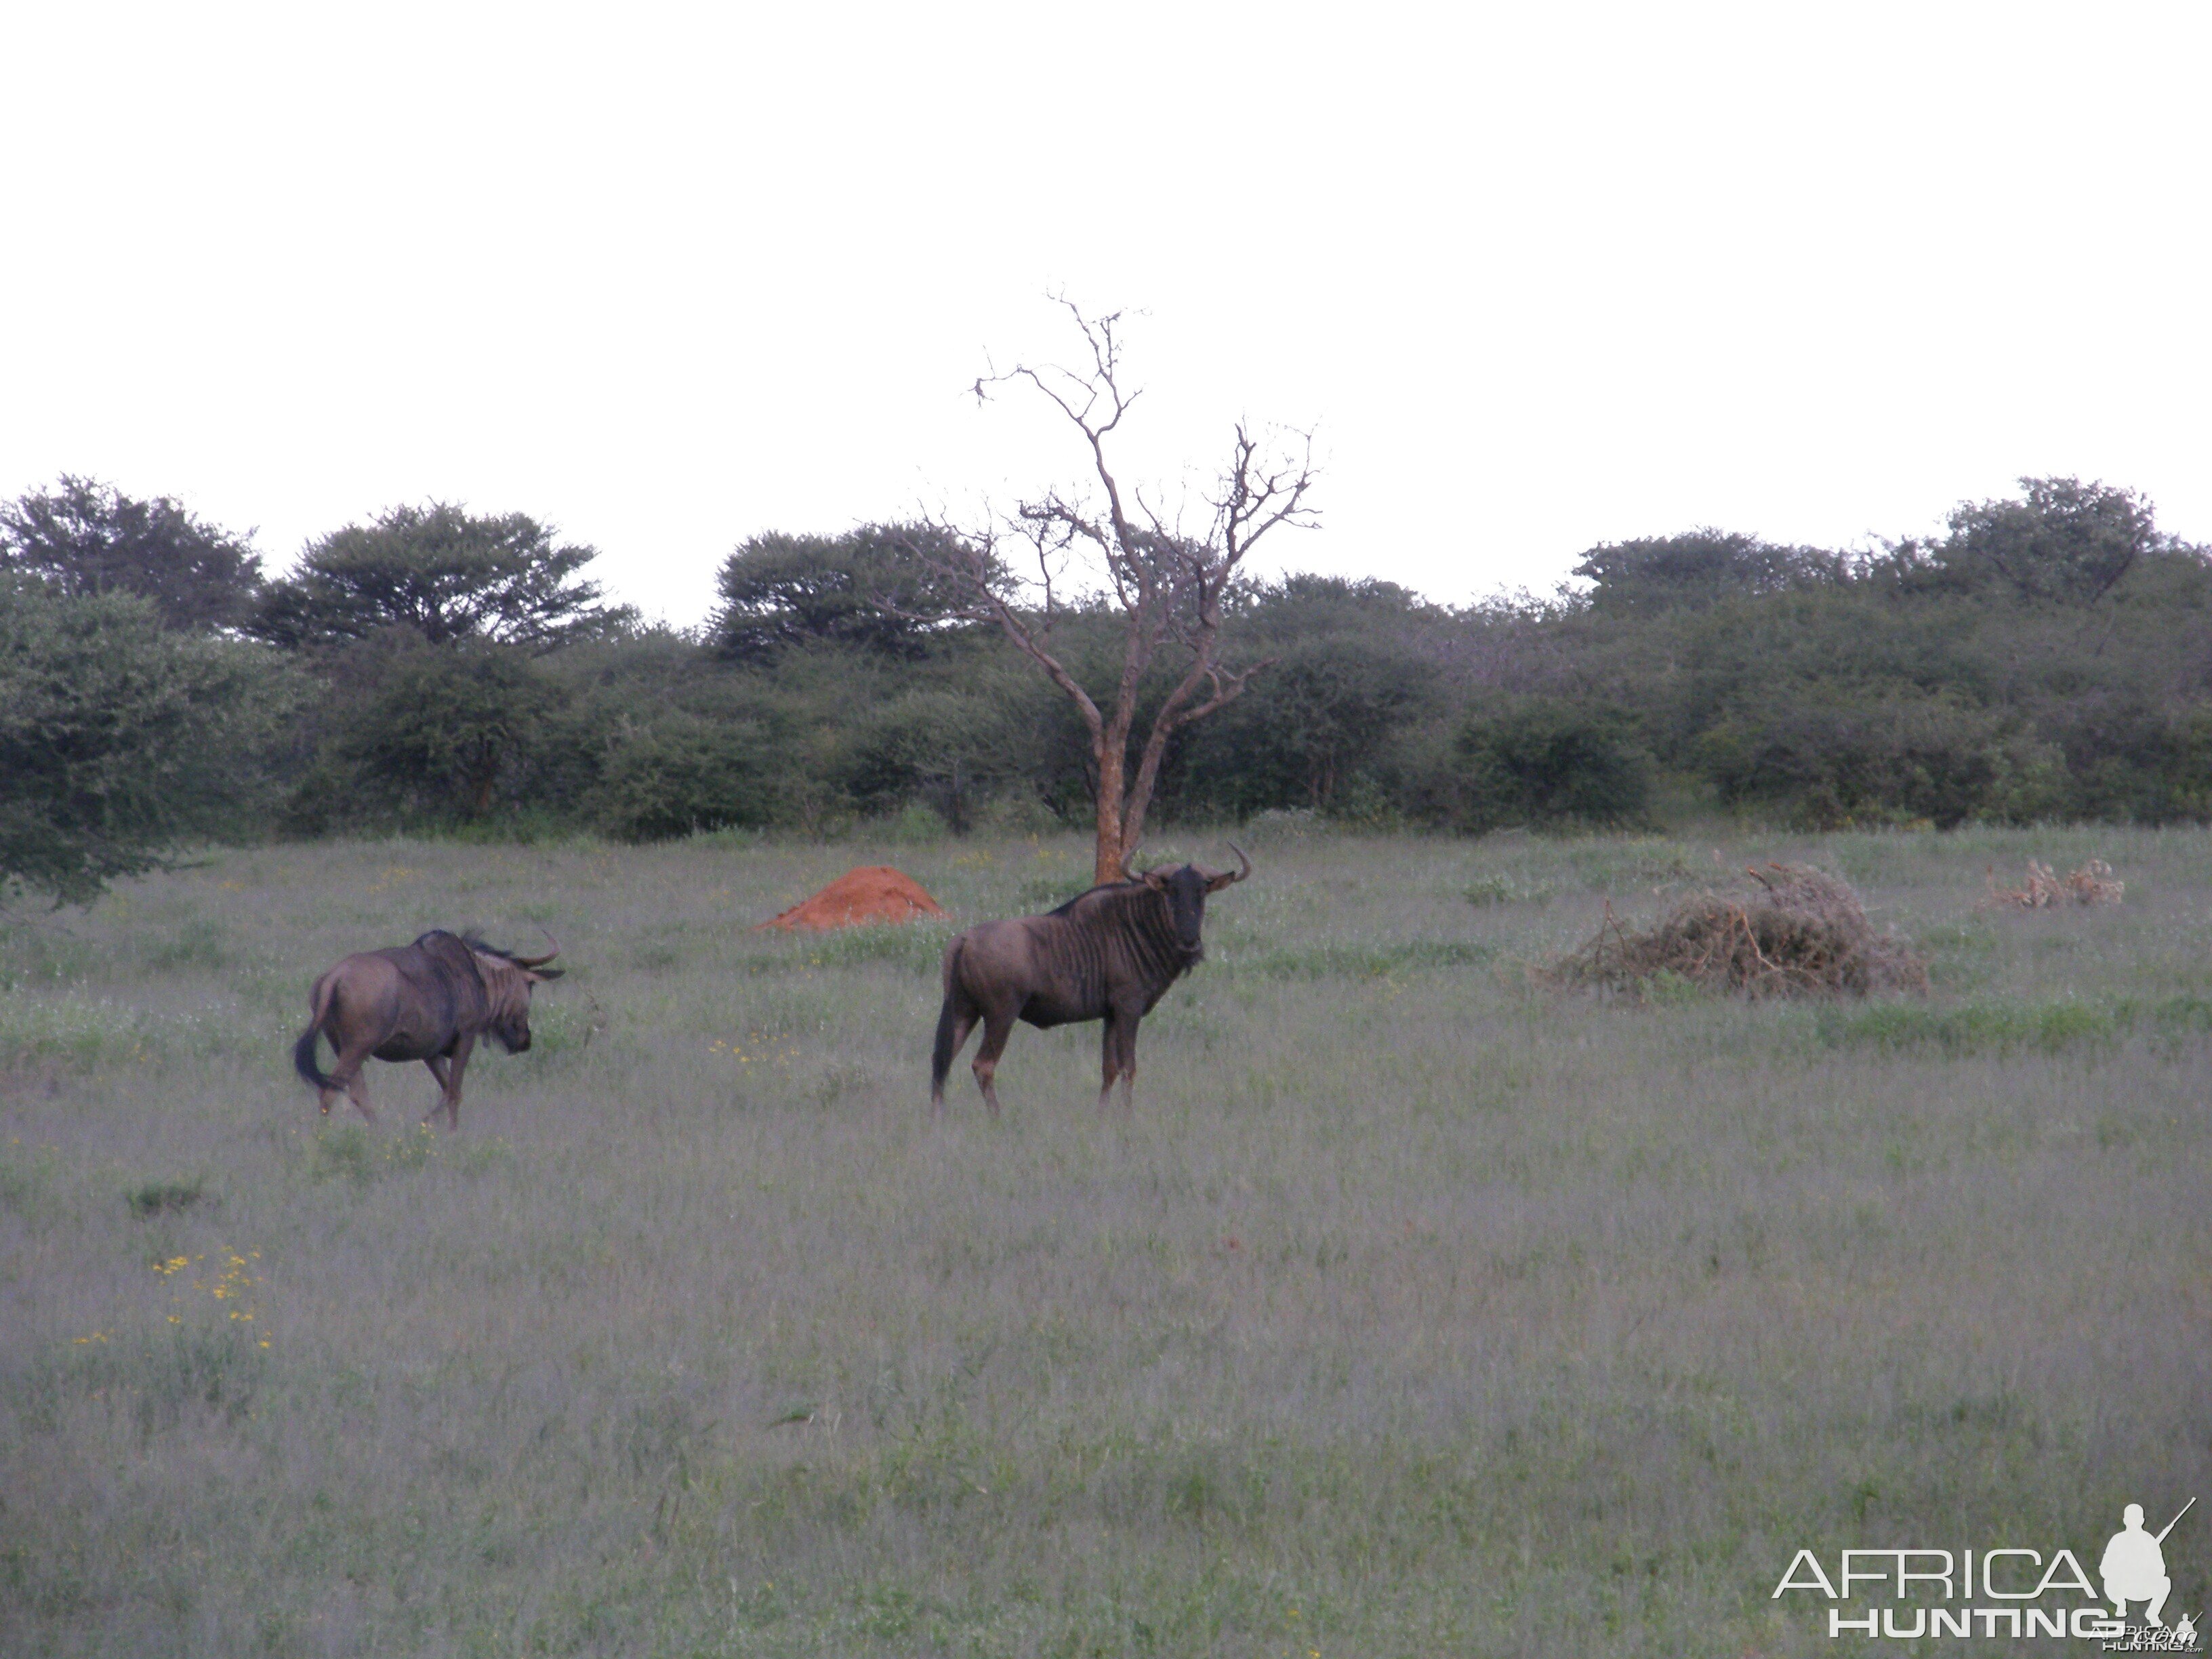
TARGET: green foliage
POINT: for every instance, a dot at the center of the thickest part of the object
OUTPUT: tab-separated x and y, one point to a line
866	589
119	738
1543	762
444	574
1832	756
1017	812
1699	568
84	536
434	733
1315	728
1506	888
680	773
2065	542
2045	660
2133	759
916	825
1951	683
1312	720
941	741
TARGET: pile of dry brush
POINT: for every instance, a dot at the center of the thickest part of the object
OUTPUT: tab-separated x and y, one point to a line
2091	883
1792	931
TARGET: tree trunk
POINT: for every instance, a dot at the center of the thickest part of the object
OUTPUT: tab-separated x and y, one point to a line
1107	859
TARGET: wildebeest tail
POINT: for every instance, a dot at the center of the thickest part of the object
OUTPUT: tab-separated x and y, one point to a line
948	1023
303	1051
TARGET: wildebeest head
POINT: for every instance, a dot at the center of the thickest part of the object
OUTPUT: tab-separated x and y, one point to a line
507	980
1185	887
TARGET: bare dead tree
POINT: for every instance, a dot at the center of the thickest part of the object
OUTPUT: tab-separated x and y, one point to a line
1167	585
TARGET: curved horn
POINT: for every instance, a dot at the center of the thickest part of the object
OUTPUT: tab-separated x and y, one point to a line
1216	880
1128	858
539	962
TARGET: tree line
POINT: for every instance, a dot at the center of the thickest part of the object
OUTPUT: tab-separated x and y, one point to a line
2048	658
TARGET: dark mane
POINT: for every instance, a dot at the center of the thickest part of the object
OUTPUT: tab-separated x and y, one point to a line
473	941
1109	887
1103	887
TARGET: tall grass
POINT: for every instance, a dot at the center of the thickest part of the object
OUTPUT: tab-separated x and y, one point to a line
1416	1311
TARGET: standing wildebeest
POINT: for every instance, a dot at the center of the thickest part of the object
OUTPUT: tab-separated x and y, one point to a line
429	1001
1108	954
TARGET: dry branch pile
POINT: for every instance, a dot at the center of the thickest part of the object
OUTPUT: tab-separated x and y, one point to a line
1793	931
2091	883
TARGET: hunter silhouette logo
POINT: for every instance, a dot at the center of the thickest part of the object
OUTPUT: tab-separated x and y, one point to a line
2134	1567
2134	1570
2007	1594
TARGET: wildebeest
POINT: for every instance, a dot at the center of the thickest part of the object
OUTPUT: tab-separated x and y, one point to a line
1107	954
429	1001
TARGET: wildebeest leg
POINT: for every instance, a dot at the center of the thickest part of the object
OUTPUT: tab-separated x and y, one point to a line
1109	1058
463	1047
1125	1032
997	1026
438	1069
349	1073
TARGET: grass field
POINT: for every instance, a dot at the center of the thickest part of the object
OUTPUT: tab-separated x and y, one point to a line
1417	1310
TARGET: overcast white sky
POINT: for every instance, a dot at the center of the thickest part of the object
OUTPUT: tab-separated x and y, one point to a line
1542	275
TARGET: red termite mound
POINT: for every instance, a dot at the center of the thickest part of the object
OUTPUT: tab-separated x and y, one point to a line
874	892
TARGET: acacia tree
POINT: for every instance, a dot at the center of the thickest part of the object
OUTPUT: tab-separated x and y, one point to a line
448	575
85	537
781	591
1166	584
2068	541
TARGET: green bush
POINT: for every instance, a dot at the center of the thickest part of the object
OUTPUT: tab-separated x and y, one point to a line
917	825
1548	763
440	732
685	773
120	739
1317	726
1017	812
2045	661
2132	759
1828	757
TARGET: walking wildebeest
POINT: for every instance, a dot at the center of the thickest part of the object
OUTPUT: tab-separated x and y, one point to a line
1108	954
429	1001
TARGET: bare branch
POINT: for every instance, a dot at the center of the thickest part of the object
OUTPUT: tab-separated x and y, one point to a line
1169	586
1227	687
969	571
